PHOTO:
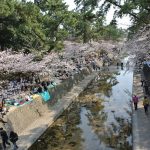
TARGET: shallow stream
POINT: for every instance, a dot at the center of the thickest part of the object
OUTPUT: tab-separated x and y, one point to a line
99	120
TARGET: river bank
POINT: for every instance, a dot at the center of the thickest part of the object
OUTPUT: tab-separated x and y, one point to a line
30	134
40	116
99	119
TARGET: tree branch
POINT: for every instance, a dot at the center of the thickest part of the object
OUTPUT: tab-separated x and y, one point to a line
128	12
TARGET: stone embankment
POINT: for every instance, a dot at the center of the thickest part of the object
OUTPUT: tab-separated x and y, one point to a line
31	120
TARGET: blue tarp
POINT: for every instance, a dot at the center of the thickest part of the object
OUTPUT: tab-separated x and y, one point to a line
45	95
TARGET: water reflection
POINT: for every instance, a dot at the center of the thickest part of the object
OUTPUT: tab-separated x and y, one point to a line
100	120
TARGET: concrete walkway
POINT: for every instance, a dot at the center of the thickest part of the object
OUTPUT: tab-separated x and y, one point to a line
141	122
32	133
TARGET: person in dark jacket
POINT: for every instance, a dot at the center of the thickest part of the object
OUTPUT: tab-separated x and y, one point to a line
4	137
13	138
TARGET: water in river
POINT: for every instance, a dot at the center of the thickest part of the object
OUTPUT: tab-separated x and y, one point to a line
99	120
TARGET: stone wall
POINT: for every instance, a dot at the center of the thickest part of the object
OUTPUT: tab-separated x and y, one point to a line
22	117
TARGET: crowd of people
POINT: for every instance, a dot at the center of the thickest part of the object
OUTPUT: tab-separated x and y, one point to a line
33	87
20	91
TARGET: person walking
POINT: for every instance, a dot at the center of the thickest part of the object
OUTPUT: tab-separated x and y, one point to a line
4	137
121	64
13	138
146	104
117	65
135	100
142	82
93	65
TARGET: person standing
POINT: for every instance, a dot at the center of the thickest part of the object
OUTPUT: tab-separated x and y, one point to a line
146	104
121	64
117	65
135	100
146	87
142	82
4	137
13	138
93	65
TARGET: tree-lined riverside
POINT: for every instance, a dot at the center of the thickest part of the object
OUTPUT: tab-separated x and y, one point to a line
46	50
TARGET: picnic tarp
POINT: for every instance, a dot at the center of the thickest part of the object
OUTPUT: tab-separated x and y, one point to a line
45	95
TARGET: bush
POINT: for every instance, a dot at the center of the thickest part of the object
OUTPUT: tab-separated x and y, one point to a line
38	57
59	46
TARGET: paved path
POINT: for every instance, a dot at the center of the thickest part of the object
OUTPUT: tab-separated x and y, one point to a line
141	122
32	133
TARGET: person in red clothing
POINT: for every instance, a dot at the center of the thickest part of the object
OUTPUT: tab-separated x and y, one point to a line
135	100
